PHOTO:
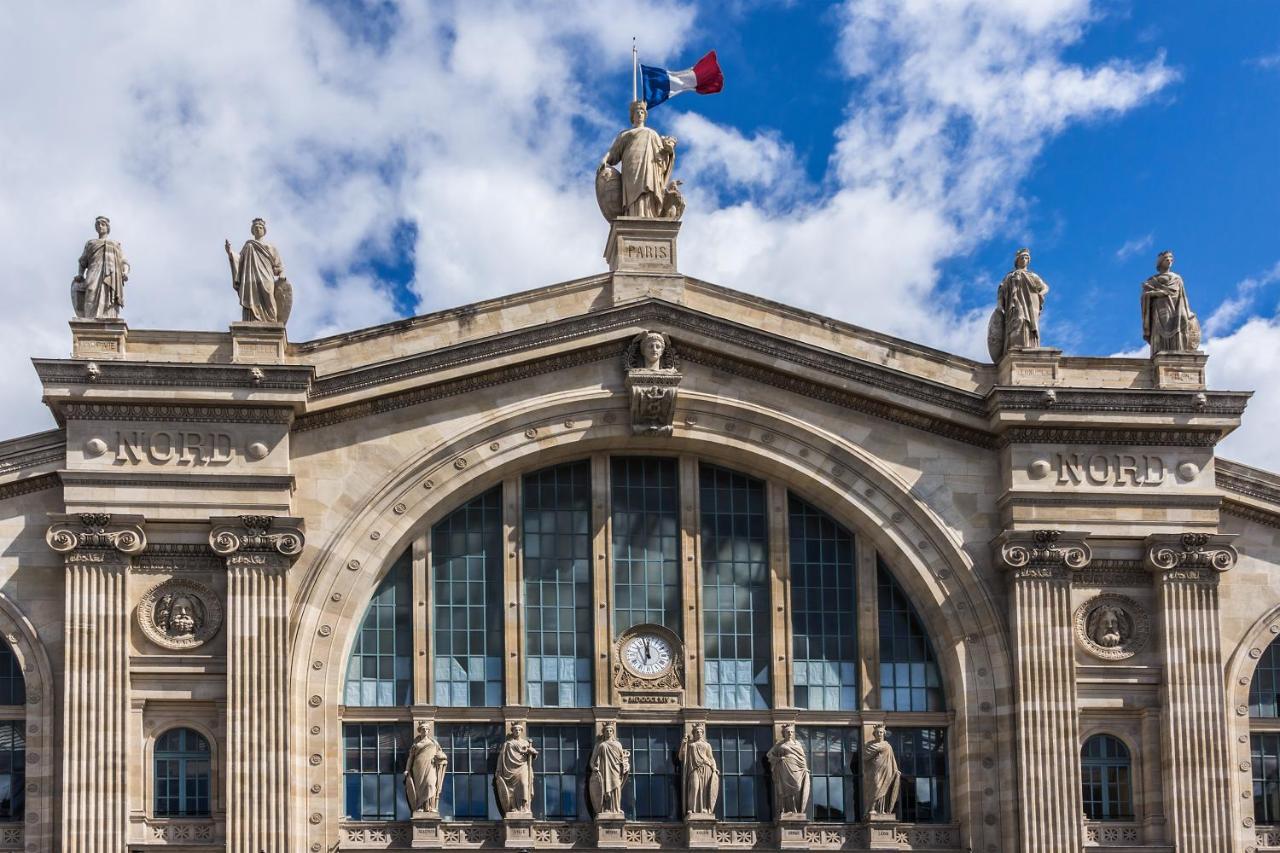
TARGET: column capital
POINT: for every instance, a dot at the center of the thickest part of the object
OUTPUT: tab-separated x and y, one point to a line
97	530
1198	555
1042	553
260	533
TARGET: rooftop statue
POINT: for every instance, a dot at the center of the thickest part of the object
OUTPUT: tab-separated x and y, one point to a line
1168	323
258	276
97	291
642	184
1015	322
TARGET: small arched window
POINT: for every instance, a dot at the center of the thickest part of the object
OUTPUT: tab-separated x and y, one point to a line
1106	773
182	768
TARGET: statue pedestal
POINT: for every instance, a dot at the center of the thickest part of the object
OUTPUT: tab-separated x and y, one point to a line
257	343
609	834
882	831
1179	370
426	830
642	256
1038	366
102	339
700	831
517	830
791	827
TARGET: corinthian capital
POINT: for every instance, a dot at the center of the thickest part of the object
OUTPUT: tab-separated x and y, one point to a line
280	534
98	530
1042	552
1191	552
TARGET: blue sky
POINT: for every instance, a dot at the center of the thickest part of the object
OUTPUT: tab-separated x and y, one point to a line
874	160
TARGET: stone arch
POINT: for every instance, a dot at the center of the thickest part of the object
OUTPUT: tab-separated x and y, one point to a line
852	486
41	822
217	802
1240	671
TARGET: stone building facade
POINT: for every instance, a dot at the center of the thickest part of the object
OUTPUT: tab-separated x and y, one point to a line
242	571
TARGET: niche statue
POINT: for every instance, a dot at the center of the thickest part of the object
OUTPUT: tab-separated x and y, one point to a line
609	766
424	772
257	275
1168	323
642	184
1015	322
791	779
513	780
700	775
882	775
97	291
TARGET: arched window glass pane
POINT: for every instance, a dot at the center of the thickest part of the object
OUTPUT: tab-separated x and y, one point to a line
466	555
650	792
834	765
735	589
646	542
374	756
744	784
1265	748
557	586
922	759
560	779
379	669
13	690
182	770
909	679
468	785
1264	690
1106	778
823	610
13	769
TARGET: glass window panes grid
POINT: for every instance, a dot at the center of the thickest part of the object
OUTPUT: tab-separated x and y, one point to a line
560	771
744	782
182	767
651	792
466	556
374	756
646	542
13	769
909	677
922	759
468	785
379	670
557	586
823	610
735	589
13	689
1264	689
1106	776
834	765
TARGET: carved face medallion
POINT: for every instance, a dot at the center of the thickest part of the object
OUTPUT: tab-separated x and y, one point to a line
1111	627
647	655
179	614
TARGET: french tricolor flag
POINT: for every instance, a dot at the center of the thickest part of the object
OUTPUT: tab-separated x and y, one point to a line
705	78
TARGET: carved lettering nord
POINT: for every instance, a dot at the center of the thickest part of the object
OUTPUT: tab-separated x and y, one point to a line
1111	469
176	447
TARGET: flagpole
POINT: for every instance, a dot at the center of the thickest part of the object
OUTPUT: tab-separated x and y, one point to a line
634	65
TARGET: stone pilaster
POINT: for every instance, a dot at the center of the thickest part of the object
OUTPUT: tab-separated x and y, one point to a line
1040	564
98	550
1194	738
259	550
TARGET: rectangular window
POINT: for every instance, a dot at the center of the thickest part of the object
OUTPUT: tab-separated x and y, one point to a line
1265	749
922	758
466	558
379	670
560	774
735	589
373	770
823	610
909	679
646	542
744	784
468	785
834	765
557	586
651	790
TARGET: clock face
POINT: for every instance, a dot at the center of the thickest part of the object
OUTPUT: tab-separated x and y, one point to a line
647	655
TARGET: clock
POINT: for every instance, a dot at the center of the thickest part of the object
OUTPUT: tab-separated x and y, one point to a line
647	654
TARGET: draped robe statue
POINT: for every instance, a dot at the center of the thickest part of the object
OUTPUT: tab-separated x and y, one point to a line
97	291
791	778
513	780
882	774
424	772
700	774
643	187
1168	323
609	766
1015	323
258	276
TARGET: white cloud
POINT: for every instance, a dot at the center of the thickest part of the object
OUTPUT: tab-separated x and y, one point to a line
1136	246
1248	359
1233	308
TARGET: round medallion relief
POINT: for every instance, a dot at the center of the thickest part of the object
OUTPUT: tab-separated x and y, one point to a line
1112	627
180	614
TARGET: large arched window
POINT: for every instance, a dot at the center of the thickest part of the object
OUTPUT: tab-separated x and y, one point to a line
1264	737
521	595
182	773
1107	779
13	740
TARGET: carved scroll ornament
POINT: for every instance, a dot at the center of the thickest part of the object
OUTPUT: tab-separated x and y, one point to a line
97	530
1191	551
256	533
1044	548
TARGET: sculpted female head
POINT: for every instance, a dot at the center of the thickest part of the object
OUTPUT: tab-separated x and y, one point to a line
258	228
102	225
652	346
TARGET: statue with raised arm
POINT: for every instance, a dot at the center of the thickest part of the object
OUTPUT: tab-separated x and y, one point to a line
1168	323
700	775
609	766
513	779
424	772
1015	322
882	774
642	185
790	770
97	291
257	275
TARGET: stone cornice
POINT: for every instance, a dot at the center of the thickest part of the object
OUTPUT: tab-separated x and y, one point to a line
1173	552
151	374
256	533
194	414
1042	553
96	531
28	485
1270	518
1211	404
1094	435
33	450
1247	481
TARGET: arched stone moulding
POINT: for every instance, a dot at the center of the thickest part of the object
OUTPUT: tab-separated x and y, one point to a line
1240	671
41	824
338	579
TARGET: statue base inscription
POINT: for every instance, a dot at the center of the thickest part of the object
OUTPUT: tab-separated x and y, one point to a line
609	830
882	831
1179	370
1029	366
426	831
642	256
791	831
517	830
700	831
257	343
102	339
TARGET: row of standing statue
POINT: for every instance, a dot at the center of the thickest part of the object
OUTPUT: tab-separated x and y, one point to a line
609	767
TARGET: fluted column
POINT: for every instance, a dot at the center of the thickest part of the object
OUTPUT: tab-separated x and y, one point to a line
259	551
1197	774
1040	564
98	550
